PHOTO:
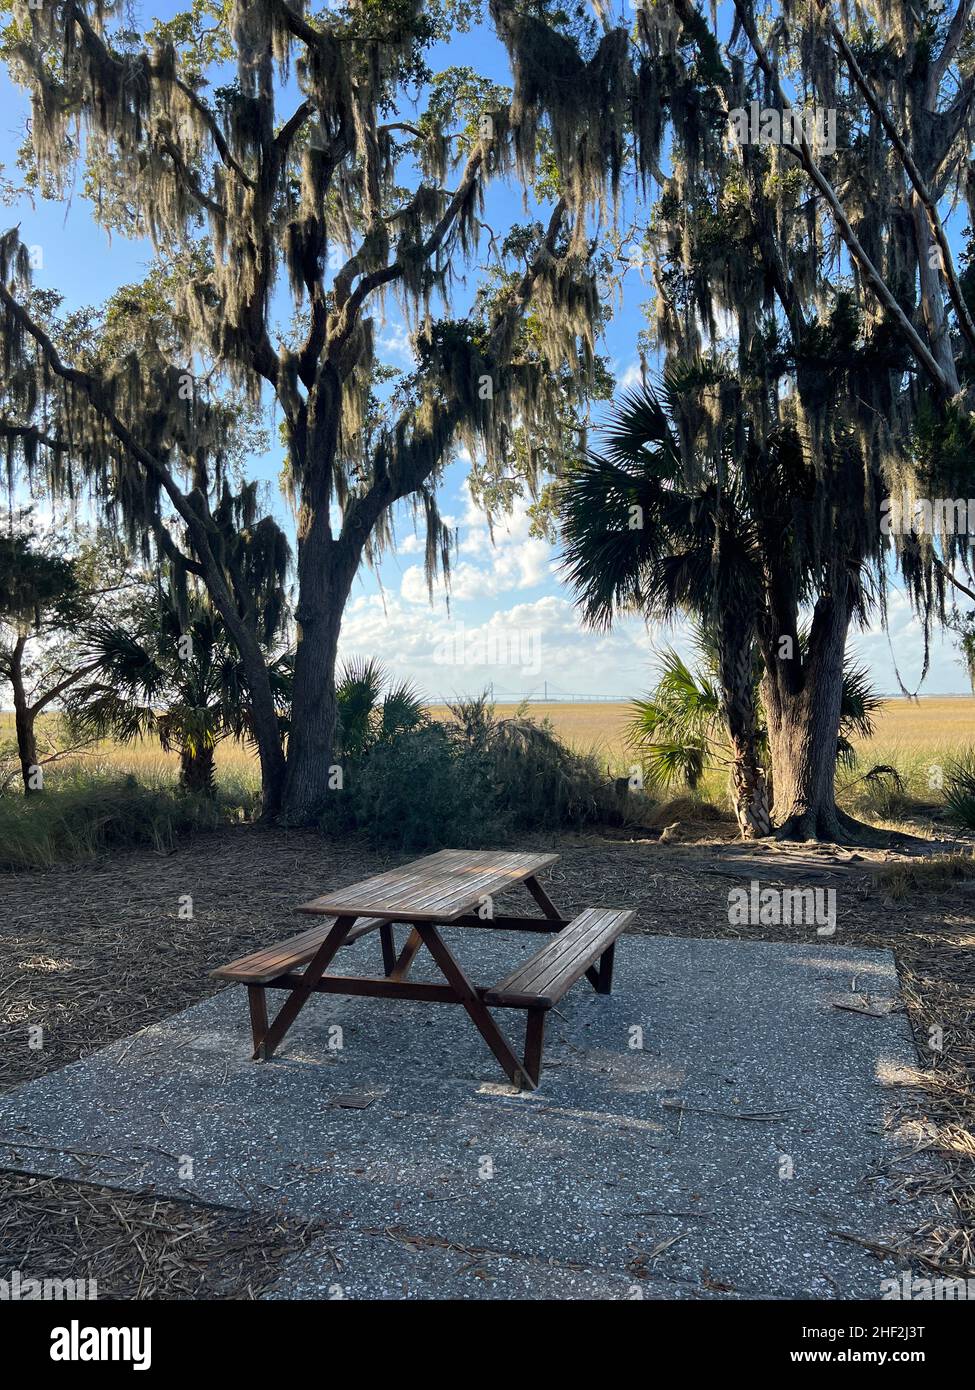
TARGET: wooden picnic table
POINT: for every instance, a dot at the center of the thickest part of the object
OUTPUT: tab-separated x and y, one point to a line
454	888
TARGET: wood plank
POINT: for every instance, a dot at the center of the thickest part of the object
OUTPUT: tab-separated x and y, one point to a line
266	964
473	1003
534	1043
542	980
423	897
302	990
440	887
550	974
257	1003
576	940
543	899
406	957
374	987
508	923
567	943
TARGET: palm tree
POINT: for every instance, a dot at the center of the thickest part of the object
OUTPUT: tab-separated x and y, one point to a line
371	710
169	670
648	529
677	731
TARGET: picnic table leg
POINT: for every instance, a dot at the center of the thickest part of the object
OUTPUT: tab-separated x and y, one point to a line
543	900
406	957
257	1002
476	1008
558	921
604	983
301	993
389	947
534	1042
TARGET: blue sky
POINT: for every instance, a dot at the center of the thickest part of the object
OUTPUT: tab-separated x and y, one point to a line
511	622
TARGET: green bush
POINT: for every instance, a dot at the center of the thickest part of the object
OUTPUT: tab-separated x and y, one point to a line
82	822
421	790
470	781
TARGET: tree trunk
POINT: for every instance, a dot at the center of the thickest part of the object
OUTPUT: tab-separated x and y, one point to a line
264	717
803	714
736	674
326	569
24	721
196	771
932	296
27	747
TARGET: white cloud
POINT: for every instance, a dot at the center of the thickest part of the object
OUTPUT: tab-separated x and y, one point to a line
630	377
515	649
512	560
395	342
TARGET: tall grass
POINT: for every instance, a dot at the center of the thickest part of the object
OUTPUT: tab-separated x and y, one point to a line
82	818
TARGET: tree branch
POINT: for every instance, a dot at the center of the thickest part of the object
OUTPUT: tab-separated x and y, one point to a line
867	268
394	271
97	44
949	48
11	431
910	168
70	679
943	568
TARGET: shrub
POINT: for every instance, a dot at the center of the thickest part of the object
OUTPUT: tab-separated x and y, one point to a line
468	781
424	789
960	792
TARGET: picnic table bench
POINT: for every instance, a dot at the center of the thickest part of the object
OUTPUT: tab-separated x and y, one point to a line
454	888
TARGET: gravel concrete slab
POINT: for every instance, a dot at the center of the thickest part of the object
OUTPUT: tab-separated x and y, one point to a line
703	1132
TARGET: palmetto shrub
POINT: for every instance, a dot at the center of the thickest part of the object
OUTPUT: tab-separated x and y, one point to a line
471	780
678	730
960	792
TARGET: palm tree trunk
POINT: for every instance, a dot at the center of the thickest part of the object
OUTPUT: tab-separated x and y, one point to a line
197	771
736	675
24	721
803	715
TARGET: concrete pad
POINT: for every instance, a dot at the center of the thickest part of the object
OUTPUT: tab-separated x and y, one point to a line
653	1164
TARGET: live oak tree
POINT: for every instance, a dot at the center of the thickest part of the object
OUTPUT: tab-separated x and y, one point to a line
135	328
827	279
260	142
809	299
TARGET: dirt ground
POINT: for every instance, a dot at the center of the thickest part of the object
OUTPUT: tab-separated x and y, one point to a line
90	953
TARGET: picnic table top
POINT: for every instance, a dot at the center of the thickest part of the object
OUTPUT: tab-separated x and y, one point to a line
438	888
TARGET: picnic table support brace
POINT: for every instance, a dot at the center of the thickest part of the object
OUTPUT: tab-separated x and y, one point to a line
302	992
389	947
405	959
478	1011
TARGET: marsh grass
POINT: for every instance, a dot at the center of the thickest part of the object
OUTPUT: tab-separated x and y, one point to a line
922	742
90	818
924	875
